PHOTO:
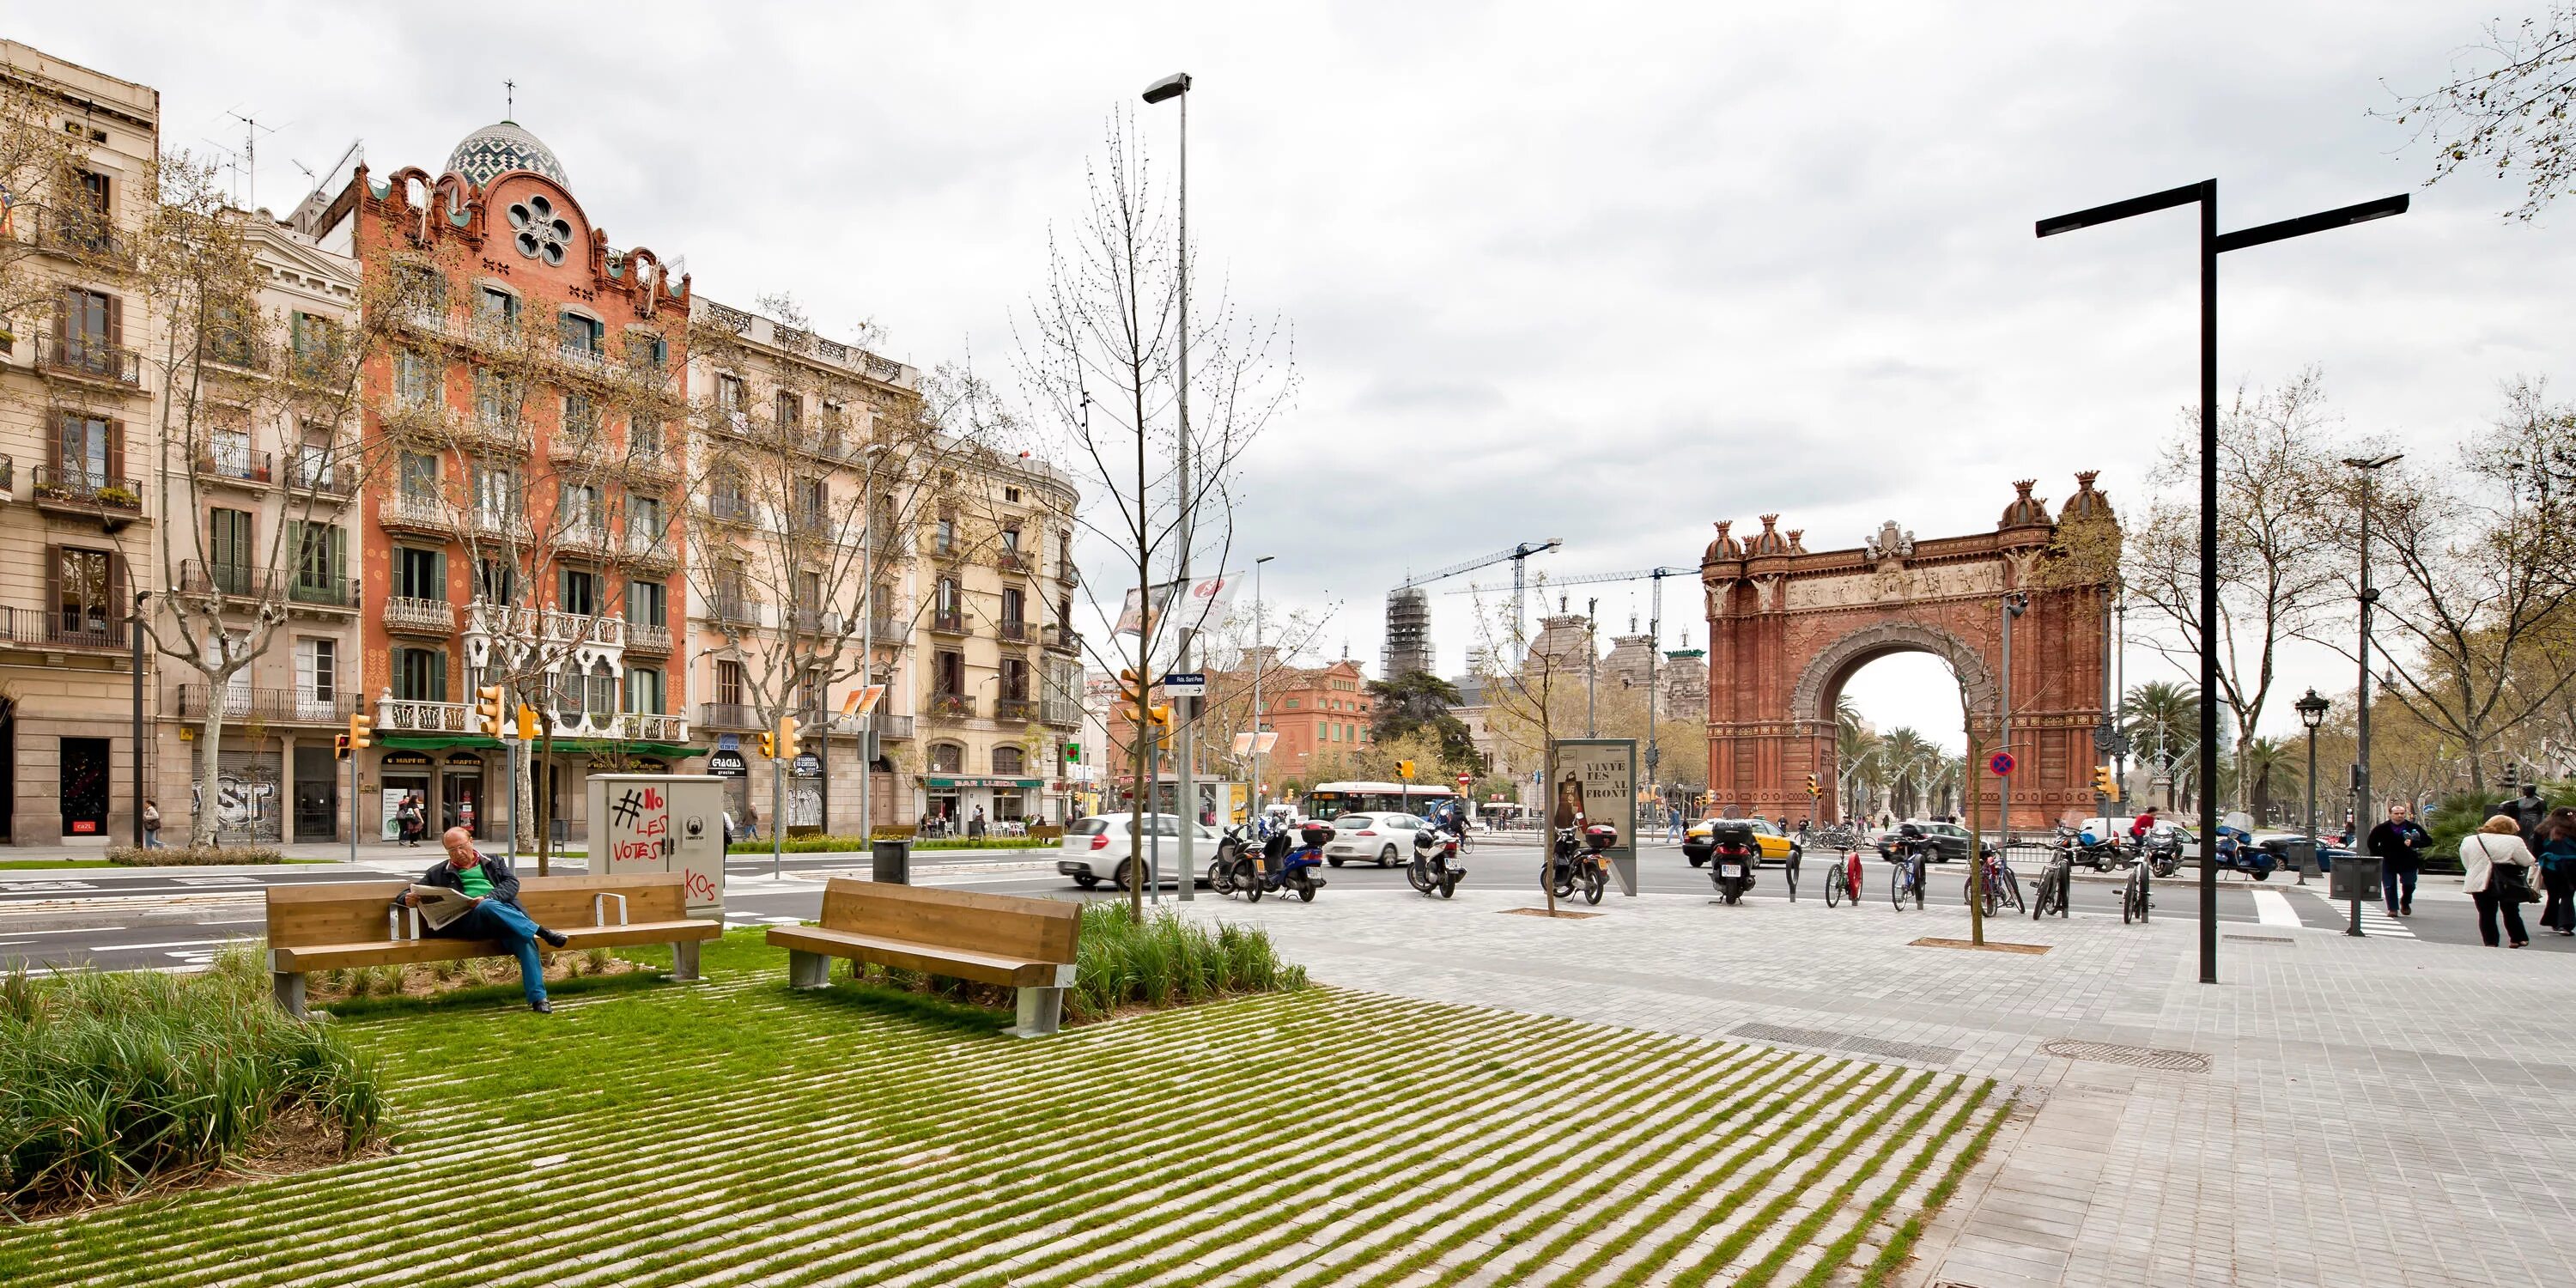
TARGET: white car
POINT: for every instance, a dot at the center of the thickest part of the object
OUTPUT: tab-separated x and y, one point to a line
1384	839
1097	849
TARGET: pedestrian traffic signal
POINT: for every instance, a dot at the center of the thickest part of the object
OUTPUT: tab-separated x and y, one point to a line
339	746
362	731
487	710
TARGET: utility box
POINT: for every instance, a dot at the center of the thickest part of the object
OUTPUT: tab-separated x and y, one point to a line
2356	877
652	823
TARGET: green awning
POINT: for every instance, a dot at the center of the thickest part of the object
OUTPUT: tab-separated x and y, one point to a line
435	742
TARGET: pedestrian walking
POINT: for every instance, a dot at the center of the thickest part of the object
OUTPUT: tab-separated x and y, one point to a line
1673	824
2399	843
975	824
151	825
750	821
2558	870
2499	868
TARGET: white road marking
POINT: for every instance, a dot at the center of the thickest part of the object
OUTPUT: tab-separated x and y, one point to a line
215	881
2374	919
48	883
2273	908
175	943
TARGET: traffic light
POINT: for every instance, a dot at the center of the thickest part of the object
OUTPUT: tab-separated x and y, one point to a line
339	746
527	723
2512	775
2104	785
362	732
487	710
787	734
1813	791
768	745
1404	770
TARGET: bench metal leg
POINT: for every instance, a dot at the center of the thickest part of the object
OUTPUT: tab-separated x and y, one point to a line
290	992
808	970
1041	1013
684	961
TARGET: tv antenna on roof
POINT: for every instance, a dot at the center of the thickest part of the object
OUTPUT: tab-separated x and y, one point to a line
509	100
251	130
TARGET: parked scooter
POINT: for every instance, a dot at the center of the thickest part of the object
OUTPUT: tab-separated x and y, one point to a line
2237	851
2095	852
1436	868
1236	841
1732	858
1283	864
2163	852
1576	860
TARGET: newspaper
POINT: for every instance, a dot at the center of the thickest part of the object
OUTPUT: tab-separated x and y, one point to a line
440	906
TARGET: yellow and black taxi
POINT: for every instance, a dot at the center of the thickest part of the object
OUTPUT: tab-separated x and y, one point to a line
1776	844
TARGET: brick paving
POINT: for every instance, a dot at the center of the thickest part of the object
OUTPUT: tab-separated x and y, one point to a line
2375	1111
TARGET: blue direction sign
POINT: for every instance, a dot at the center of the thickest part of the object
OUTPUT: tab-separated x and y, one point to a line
1185	684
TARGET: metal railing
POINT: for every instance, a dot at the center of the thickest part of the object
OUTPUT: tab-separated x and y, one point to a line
407	614
948	623
728	715
86	486
242	466
197	577
1064	639
890	630
1012	561
1013	632
734	611
84	235
1020	709
48	628
279	706
322	592
952	704
730	508
89	359
894	726
304	473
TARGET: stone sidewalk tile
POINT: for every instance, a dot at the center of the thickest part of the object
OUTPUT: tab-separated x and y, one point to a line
2372	1110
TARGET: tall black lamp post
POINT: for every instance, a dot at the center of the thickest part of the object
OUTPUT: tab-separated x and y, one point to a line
2205	193
2312	712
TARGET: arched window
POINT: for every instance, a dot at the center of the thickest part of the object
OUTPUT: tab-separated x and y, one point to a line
569	691
1009	762
603	691
947	758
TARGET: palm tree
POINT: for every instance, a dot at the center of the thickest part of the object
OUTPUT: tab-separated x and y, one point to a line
2269	768
2162	719
1858	752
1910	758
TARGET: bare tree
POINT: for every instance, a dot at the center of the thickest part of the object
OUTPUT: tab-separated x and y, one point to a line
2277	577
2507	104
2480	600
228	365
1100	361
1533	688
47	206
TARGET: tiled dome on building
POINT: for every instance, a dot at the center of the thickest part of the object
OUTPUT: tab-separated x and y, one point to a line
1724	547
2086	503
1768	541
2026	510
501	147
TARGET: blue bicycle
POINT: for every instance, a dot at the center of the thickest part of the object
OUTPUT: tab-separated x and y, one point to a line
1905	876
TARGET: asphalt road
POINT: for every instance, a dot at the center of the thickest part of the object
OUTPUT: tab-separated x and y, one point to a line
118	922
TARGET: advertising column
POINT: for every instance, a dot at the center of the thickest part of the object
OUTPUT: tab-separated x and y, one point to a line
1604	770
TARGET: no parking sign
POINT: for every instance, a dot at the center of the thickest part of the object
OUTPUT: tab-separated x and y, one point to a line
2001	763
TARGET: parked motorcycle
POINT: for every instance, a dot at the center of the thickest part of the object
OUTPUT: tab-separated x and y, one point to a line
2098	853
2163	852
1577	860
2237	851
1236	841
1733	857
1436	868
1282	865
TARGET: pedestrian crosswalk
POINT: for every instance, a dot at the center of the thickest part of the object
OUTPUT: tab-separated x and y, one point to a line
2374	919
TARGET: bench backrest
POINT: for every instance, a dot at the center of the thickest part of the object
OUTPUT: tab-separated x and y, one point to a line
353	912
1042	930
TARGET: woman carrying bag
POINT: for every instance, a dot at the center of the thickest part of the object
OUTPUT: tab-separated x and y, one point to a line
2499	878
2558	870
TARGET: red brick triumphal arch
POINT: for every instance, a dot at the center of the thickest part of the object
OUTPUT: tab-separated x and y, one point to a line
1788	626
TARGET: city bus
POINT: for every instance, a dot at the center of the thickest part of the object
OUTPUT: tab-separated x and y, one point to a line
1328	800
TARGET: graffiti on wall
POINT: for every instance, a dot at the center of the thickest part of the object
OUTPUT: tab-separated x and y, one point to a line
246	799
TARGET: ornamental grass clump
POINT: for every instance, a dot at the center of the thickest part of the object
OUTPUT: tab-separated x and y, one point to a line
1167	961
113	1083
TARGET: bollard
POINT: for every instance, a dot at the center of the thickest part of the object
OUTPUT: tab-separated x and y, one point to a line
893	860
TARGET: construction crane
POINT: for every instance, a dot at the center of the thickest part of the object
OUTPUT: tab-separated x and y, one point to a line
1408	609
1655	627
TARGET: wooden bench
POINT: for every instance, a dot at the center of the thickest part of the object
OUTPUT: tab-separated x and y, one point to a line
337	924
1026	944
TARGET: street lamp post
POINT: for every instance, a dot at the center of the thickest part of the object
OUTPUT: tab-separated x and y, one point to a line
1260	660
2312	712
2212	244
1185	739
1591	659
2370	466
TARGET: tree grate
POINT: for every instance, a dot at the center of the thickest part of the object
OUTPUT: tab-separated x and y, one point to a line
1830	1040
2141	1057
2263	939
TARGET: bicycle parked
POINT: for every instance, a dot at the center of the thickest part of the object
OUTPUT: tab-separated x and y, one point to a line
1905	877
2137	893
2056	886
2002	884
1842	880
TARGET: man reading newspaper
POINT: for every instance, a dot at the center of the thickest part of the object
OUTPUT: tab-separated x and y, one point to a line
470	895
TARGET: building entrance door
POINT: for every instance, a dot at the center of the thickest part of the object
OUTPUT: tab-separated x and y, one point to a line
85	784
461	801
317	795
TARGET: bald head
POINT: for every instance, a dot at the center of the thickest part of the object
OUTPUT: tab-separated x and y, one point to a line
459	844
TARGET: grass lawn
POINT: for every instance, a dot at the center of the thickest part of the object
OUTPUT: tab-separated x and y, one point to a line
734	1131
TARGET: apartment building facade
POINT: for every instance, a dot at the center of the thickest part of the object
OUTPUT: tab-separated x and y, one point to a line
76	516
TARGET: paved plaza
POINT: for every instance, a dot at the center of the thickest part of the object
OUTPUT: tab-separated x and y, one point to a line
2335	1111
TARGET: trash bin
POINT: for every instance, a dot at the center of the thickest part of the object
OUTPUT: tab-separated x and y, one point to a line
2354	877
893	860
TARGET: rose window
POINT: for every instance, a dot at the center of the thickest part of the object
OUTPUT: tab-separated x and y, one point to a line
542	234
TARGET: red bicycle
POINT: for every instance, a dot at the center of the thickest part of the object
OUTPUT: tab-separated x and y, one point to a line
1843	883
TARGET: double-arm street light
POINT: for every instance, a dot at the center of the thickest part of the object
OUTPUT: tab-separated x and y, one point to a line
1185	742
2212	244
2370	466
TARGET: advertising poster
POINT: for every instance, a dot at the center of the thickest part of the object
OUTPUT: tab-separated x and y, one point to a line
1597	779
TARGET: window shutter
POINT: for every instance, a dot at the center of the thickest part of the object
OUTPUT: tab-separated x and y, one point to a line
438	573
438	675
115	470
63	317
339	537
115	322
295	544
53	584
114	609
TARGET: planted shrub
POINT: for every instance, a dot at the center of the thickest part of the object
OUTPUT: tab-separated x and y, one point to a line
1168	961
191	856
114	1082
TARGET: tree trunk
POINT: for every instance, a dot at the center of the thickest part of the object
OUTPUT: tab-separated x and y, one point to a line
210	740
545	824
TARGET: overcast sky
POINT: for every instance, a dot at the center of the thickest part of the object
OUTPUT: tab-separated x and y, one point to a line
1606	273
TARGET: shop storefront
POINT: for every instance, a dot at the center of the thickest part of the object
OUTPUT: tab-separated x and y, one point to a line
402	776
956	797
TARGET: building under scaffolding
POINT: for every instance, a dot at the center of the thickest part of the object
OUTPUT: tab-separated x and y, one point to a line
1408	633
